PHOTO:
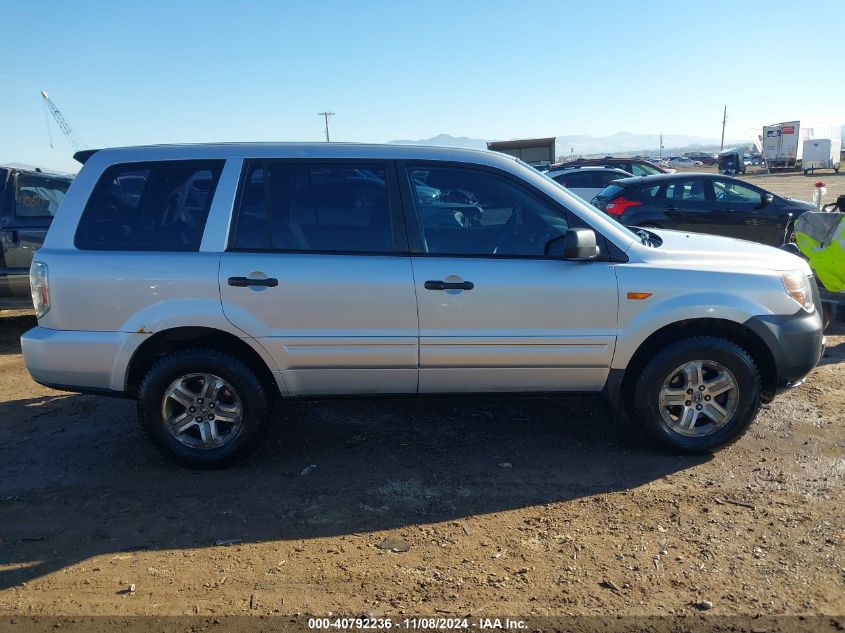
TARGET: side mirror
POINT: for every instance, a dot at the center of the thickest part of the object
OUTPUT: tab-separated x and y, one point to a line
768	199
576	244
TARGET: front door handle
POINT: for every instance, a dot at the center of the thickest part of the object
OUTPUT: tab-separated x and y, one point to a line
243	282
446	285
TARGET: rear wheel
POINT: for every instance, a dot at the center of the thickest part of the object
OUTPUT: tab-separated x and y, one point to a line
698	395
203	408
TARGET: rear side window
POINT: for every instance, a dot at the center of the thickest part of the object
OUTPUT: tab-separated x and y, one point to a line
160	206
692	189
578	179
321	207
38	196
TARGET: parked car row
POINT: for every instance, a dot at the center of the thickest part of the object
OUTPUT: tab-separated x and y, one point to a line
704	203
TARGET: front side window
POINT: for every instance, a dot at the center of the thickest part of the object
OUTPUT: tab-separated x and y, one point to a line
321	207
160	206
732	191
467	211
38	196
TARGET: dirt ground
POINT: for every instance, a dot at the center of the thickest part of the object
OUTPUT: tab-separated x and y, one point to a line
510	506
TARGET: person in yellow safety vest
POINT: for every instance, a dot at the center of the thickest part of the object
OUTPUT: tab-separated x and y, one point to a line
821	238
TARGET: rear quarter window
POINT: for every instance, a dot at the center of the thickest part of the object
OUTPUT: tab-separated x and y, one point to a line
157	206
611	191
648	193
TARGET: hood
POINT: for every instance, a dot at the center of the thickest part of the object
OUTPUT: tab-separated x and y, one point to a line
802	204
717	252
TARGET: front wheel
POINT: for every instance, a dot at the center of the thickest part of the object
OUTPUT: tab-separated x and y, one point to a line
203	408
698	395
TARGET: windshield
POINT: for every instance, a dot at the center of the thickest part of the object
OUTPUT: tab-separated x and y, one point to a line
605	216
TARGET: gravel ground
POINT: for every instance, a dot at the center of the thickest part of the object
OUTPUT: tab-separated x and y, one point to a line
517	506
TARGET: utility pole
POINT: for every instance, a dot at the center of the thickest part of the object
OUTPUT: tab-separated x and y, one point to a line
724	122
660	146
326	116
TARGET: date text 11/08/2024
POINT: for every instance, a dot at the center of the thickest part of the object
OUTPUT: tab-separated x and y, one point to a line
415	623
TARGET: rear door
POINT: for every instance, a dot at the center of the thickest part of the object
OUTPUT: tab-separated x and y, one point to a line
317	270
30	202
495	313
688	206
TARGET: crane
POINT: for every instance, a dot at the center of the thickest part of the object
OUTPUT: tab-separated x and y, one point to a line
64	126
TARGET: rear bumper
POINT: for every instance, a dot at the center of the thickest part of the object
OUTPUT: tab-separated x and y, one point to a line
795	341
77	361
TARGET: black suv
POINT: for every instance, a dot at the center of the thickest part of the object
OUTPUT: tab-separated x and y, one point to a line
635	166
704	203
29	199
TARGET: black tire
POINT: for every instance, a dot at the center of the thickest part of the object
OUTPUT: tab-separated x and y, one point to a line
827	315
245	386
789	238
731	356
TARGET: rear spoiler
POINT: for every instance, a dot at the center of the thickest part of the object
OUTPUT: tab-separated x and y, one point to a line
84	155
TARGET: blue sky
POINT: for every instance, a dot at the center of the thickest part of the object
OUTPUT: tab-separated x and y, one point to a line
153	72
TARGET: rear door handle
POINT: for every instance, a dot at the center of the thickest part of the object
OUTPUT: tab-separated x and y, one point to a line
445	285
243	282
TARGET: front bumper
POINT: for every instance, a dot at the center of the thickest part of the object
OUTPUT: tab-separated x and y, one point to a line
796	342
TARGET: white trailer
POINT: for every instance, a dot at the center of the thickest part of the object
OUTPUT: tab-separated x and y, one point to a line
821	153
781	146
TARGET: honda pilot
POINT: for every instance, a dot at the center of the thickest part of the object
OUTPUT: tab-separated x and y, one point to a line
209	281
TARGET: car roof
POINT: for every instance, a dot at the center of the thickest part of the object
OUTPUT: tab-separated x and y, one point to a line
668	177
31	169
294	150
586	168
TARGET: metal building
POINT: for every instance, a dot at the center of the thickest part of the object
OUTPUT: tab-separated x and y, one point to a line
534	151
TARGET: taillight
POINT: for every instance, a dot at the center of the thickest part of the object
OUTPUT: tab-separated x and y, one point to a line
40	288
618	205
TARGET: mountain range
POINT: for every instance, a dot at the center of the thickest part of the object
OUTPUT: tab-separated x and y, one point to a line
582	144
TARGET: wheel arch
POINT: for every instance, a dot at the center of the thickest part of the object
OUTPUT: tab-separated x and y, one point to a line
174	339
722	328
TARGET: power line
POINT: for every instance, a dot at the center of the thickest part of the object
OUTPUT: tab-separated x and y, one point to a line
326	116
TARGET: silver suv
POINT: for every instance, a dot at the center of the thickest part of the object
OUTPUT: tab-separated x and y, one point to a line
207	281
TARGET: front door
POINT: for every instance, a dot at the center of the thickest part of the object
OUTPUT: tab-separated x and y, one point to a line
317	271
744	212
495	313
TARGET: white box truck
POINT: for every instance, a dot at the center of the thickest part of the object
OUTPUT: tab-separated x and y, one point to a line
781	146
821	153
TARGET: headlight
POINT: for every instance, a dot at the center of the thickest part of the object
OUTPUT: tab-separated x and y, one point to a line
40	288
797	286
